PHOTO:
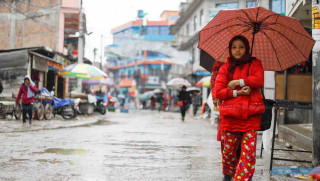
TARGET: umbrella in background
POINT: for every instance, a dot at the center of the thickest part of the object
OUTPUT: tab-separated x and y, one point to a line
105	81
146	96
204	82
83	71
121	96
178	82
113	99
158	91
278	41
191	89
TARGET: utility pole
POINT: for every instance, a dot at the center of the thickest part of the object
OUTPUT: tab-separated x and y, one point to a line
13	24
80	44
316	84
101	55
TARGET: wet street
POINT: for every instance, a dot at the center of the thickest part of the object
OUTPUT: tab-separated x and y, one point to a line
141	145
138	146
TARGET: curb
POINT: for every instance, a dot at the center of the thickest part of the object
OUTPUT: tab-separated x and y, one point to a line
34	129
295	137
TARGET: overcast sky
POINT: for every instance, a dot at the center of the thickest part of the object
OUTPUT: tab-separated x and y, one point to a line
103	15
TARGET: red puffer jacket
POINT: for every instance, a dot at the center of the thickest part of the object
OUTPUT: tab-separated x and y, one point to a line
241	113
23	91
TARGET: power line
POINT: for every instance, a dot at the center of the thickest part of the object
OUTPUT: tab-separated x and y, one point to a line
35	5
36	21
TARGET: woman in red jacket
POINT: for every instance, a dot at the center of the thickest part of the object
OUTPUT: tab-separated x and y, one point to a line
238	86
27	90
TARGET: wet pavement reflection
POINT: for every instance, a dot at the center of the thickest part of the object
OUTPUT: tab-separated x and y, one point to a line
142	145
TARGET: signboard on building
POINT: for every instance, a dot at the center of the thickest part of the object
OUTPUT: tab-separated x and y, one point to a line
40	64
61	60
213	12
153	80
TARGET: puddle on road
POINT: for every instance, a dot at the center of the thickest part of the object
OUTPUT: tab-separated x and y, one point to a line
49	161
168	117
12	135
104	122
65	151
18	160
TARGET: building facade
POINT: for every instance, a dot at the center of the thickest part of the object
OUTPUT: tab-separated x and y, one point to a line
41	23
147	70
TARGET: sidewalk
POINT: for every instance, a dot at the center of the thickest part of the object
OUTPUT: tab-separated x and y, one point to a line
7	126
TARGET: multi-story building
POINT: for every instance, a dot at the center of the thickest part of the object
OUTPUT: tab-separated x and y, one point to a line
49	23
194	15
41	23
147	69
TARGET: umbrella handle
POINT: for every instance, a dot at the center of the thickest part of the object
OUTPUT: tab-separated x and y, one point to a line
252	44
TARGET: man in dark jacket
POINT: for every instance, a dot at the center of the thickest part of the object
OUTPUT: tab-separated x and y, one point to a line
185	98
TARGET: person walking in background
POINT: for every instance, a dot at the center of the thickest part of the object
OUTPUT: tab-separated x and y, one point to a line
152	102
159	101
184	101
165	101
238	86
26	91
196	102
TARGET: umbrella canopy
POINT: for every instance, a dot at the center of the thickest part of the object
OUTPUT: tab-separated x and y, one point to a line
146	96
113	99
105	81
178	82
206	61
278	41
157	91
204	82
191	89
121	96
83	71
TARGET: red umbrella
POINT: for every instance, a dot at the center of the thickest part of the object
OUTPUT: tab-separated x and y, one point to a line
279	41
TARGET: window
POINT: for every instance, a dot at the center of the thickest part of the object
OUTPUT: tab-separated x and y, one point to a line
227	5
153	30
187	29
129	74
164	30
251	4
195	23
122	75
193	56
201	17
278	6
173	18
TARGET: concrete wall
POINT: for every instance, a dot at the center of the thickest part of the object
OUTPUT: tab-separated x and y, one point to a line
34	26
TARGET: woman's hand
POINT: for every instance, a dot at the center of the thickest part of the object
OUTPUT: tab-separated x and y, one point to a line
233	84
245	91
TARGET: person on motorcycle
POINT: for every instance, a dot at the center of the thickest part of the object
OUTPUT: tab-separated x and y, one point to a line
27	90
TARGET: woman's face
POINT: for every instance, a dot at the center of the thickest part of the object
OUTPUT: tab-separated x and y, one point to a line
238	49
26	81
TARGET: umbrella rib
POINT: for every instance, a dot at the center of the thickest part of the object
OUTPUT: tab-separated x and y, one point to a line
274	49
269	17
291	30
222	30
222	23
257	14
288	41
247	15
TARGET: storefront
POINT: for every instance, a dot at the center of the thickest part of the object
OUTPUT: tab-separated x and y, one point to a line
37	62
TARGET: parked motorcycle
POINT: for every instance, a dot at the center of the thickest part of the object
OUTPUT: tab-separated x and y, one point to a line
64	107
97	101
